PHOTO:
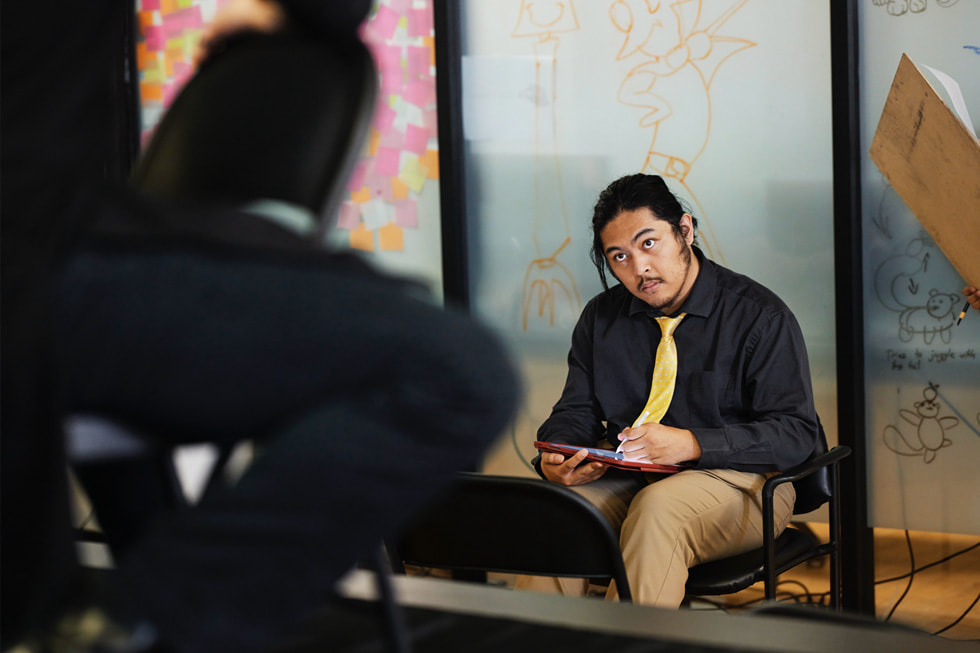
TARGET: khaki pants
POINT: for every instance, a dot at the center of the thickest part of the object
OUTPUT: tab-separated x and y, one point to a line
669	523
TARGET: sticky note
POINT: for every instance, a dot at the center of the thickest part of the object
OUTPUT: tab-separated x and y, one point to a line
399	190
407	214
168	6
384	116
348	216
374	214
416	139
362	239
387	161
430	160
150	5
417	61
385	21
154	38
419	22
151	92
361	195
421	93
357	176
391	238
412	174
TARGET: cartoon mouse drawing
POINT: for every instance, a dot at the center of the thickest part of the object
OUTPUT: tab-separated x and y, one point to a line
930	429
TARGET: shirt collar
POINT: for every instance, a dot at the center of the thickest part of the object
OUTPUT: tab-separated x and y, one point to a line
698	302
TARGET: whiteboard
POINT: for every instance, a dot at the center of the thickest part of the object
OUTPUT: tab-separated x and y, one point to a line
731	103
922	370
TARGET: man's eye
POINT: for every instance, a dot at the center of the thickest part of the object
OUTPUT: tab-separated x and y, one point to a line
648	243
619	257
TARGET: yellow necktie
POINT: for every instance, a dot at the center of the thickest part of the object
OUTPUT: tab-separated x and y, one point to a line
664	373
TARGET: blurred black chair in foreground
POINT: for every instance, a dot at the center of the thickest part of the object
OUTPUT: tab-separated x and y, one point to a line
513	525
271	124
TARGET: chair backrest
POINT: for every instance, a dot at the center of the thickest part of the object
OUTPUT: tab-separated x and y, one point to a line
814	490
515	525
276	117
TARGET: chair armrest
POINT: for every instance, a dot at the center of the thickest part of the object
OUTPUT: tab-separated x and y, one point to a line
804	469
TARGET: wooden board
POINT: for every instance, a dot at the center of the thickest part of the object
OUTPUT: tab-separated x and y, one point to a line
933	162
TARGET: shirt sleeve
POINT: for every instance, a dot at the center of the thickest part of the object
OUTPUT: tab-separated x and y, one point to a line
779	429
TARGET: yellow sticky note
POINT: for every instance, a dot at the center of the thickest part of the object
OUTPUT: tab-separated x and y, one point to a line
391	238
399	189
362	239
361	196
412	174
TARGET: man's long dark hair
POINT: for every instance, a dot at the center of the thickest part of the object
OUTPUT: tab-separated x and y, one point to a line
628	194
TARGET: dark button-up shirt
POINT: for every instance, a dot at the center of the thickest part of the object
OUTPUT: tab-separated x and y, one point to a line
743	379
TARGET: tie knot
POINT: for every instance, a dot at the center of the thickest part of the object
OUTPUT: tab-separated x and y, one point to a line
668	324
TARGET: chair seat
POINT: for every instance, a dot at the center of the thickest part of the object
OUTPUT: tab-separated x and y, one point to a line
735	573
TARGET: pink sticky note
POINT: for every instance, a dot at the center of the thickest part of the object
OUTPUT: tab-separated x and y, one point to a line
416	139
385	21
150	5
419	22
391	82
387	160
407	213
356	180
348	216
389	57
384	116
420	93
393	139
430	120
417	59
154	38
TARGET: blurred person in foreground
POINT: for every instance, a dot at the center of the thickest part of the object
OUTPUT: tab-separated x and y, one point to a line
365	399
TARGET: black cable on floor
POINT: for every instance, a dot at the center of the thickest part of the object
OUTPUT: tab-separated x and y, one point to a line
960	618
931	564
908	542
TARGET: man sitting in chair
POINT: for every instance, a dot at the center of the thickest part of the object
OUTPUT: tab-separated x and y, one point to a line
731	400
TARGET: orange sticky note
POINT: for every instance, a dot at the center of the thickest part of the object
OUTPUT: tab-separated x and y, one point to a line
430	42
362	239
431	161
399	189
168	6
151	92
145	19
373	140
391	238
361	196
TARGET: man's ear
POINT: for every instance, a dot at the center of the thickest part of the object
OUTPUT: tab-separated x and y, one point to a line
687	228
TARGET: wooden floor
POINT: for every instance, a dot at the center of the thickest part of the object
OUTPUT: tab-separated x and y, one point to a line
937	597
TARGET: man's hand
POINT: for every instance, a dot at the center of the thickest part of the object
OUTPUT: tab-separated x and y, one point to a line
656	443
235	16
972	296
572	471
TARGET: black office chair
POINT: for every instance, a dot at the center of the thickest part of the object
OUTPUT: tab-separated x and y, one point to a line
270	117
514	525
816	483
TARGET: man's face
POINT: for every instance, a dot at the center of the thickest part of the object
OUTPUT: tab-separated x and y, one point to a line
649	259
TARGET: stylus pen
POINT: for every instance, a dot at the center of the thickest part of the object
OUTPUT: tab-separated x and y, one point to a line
962	313
640	420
